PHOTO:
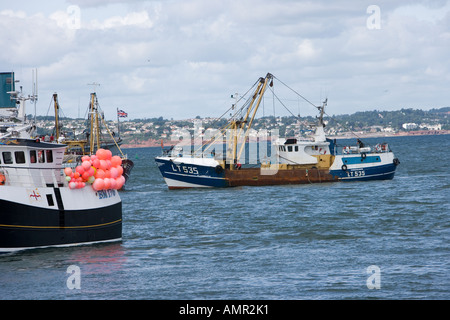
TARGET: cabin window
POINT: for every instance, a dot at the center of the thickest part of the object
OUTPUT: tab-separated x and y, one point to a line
49	155
296	148
7	158
20	156
33	156
41	156
290	148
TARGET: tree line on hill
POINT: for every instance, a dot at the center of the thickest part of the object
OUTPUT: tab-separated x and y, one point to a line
357	121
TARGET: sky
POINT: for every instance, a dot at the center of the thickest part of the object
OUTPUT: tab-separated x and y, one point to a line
185	58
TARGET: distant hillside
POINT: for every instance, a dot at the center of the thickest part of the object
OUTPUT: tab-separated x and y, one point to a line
396	119
154	129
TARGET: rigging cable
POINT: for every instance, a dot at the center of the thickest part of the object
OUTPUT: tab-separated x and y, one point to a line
275	96
314	106
296	93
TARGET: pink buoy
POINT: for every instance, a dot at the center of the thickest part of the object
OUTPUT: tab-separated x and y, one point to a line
113	183
101	154
103	165
116	161
96	163
100	174
107	183
114	172
98	184
85	175
68	171
86	165
80	170
120	181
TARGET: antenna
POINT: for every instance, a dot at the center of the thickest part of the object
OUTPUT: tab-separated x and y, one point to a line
94	84
34	96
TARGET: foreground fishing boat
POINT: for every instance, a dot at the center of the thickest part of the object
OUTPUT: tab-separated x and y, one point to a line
296	161
42	206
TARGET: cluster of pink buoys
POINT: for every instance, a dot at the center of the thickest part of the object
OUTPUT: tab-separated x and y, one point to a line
102	170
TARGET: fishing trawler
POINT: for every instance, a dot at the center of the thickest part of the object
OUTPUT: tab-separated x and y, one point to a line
295	161
93	138
41	207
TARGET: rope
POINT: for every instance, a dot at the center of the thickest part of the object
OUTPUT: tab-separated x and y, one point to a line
118	147
296	93
283	103
332	118
313	106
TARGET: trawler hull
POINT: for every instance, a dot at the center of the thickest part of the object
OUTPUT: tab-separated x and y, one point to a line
45	217
267	177
181	173
188	174
365	166
382	172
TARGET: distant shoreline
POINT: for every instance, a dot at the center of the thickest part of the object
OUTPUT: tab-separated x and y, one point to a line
398	134
157	143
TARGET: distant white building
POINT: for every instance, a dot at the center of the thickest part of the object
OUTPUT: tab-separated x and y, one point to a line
435	127
409	126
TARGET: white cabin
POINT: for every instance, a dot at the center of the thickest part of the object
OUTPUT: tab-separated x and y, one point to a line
31	163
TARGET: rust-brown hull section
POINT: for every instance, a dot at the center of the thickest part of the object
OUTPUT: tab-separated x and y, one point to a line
258	177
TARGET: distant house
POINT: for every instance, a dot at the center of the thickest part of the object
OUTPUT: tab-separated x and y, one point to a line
409	126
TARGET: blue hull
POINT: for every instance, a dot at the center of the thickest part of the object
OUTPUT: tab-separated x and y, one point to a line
382	172
187	175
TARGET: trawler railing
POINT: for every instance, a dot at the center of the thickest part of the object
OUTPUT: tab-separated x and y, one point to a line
378	148
33	177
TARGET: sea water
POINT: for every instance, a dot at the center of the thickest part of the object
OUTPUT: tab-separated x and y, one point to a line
354	240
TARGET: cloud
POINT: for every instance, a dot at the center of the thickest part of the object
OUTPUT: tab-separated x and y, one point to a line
180	59
133	19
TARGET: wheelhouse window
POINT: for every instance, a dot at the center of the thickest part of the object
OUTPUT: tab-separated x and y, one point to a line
33	156
7	157
20	157
41	156
49	155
